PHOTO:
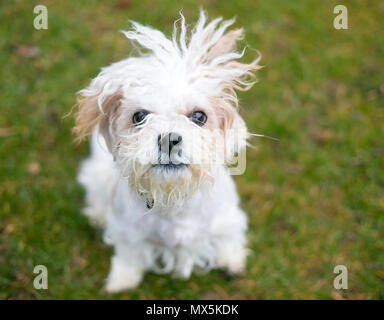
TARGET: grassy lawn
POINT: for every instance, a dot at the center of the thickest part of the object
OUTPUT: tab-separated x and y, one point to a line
315	199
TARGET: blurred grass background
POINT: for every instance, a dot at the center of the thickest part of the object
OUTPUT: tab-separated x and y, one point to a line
314	199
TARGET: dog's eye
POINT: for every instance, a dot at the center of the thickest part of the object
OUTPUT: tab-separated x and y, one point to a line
199	117
139	116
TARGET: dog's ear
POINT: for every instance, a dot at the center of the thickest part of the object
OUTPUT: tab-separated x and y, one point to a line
228	116
89	115
235	143
232	127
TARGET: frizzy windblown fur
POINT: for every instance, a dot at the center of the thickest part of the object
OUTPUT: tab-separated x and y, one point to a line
206	57
158	217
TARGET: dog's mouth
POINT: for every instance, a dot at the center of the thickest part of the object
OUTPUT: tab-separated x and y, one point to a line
170	166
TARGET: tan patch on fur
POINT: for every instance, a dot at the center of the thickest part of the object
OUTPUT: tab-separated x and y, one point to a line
89	115
225	114
226	44
245	81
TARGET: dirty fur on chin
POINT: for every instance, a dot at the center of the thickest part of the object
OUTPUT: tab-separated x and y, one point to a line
196	70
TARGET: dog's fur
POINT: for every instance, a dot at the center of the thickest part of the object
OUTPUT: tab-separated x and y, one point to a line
160	219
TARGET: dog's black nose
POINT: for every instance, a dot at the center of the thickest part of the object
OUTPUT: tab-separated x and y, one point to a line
169	148
168	141
174	139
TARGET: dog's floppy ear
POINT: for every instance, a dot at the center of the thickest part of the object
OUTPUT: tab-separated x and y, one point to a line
232	127
90	114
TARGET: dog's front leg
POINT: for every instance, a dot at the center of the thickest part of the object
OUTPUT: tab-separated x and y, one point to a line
231	256
127	268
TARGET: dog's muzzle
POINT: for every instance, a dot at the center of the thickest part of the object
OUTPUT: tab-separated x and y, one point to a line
170	151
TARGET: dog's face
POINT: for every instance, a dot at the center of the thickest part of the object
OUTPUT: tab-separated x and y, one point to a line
170	117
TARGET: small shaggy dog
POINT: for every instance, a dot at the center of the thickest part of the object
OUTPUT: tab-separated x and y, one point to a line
164	128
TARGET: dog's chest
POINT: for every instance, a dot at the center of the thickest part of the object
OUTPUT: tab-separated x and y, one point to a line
181	229
193	224
176	228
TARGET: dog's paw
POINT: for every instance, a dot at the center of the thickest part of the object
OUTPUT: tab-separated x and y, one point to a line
115	285
123	277
233	260
97	218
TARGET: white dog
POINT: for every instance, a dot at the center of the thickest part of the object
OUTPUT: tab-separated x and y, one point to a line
157	178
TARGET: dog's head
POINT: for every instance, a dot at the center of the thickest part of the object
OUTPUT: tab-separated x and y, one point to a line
169	116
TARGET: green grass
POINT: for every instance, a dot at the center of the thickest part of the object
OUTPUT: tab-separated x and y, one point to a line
314	199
